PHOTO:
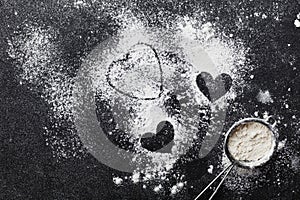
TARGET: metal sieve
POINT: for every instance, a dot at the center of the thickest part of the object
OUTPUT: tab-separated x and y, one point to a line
270	123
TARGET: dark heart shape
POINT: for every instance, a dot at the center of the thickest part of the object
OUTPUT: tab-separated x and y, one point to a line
213	89
150	141
164	135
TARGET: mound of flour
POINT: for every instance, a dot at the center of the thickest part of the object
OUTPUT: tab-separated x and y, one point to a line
251	142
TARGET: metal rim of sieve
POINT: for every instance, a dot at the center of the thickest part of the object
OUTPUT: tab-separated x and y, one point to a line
266	122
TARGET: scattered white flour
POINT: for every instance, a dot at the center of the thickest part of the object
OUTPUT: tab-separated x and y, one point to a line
266	115
117	180
176	188
79	3
264	97
281	144
297	21
251	143
198	45
295	163
157	188
39	59
135	177
196	48
36	54
264	16
142	67
240	180
210	169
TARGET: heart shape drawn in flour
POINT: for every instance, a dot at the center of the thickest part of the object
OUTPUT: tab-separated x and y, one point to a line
213	89
138	74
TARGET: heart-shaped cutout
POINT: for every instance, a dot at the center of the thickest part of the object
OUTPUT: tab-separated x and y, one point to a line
213	89
150	141
138	74
164	135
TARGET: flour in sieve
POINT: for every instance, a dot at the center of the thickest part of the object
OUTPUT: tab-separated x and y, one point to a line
251	142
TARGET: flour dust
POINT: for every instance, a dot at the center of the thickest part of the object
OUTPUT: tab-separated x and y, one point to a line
183	51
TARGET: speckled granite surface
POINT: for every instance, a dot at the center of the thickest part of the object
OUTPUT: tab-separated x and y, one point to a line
28	169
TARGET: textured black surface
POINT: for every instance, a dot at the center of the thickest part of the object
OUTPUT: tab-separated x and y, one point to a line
27	167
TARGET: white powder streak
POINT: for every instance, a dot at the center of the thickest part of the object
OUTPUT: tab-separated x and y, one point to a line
264	97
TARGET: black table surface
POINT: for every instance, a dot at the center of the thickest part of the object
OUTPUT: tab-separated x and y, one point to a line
28	169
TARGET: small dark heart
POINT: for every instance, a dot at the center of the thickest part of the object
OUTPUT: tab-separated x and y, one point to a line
162	141
213	89
164	135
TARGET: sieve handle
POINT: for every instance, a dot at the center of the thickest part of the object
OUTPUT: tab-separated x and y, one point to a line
227	170
223	179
